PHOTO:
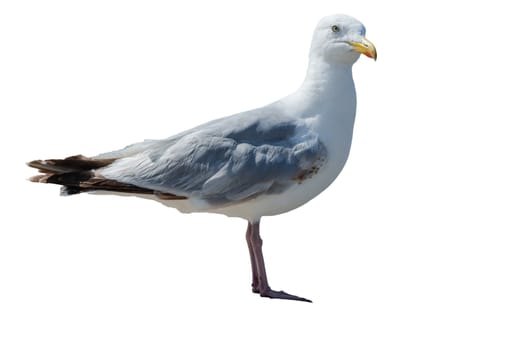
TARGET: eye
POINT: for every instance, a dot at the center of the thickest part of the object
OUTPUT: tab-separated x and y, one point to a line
335	28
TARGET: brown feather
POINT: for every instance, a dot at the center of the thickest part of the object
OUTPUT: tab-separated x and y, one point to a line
74	163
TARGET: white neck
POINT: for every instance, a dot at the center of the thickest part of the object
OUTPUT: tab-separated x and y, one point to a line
325	86
325	78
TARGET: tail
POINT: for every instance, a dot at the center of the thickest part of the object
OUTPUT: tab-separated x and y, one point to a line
77	174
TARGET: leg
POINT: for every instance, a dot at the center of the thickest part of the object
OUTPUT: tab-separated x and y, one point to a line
254	272
255	247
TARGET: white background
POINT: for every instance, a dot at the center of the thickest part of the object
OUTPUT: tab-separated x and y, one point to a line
421	243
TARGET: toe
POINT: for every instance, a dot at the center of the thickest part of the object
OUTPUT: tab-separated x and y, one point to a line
270	293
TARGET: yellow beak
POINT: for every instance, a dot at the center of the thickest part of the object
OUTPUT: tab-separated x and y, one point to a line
365	47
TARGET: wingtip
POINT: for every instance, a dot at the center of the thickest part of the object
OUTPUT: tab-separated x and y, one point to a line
33	163
38	178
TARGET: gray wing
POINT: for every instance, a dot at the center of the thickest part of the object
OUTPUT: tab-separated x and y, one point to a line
228	160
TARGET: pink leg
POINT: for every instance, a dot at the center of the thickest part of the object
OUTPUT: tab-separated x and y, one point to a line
254	272
258	268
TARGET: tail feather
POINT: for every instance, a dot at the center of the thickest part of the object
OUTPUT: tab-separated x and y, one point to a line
77	174
70	164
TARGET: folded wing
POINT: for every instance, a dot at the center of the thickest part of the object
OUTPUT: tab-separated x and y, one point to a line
225	161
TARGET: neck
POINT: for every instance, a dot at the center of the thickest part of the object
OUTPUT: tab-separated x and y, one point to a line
324	79
329	91
325	86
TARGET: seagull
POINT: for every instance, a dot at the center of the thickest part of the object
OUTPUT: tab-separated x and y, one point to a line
262	162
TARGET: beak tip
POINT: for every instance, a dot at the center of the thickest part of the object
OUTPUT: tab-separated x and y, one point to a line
366	48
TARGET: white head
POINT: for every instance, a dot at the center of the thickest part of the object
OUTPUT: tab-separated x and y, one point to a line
340	39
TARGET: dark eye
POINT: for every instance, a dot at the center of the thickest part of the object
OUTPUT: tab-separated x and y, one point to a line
335	28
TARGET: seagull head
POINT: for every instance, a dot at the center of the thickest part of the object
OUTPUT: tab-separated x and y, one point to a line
341	39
